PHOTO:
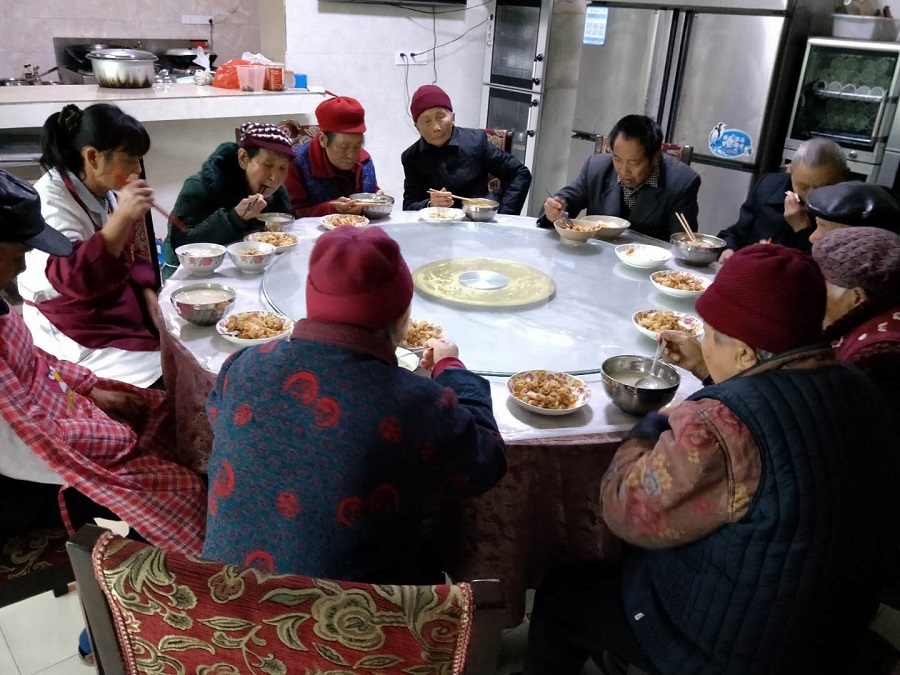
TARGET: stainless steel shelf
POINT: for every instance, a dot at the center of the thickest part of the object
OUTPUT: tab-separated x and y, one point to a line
865	98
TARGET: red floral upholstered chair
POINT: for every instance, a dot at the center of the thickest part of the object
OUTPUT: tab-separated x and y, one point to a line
682	152
33	562
503	140
149	611
299	133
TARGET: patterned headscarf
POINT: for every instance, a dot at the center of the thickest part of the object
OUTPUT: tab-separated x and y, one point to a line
266	137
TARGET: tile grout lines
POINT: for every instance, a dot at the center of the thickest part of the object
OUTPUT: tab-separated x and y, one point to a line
5	643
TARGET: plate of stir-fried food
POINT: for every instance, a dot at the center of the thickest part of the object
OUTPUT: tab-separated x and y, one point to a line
651	322
679	284
334	220
254	328
547	392
282	241
420	332
441	214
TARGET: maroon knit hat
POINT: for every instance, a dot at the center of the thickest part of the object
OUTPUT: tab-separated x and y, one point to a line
861	257
769	296
265	137
357	277
428	96
341	115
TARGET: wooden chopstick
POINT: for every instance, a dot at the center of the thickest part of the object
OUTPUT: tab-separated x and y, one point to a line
462	199
169	217
687	228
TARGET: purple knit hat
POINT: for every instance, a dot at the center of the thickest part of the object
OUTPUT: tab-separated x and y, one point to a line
863	257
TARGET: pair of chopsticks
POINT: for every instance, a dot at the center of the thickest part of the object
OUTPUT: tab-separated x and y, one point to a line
177	222
687	228
462	199
565	216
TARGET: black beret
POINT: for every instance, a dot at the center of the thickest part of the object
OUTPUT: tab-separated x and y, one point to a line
21	220
855	204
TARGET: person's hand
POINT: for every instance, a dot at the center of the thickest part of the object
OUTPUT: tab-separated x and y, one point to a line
250	207
795	213
134	199
767	240
553	208
123	406
441	198
684	350
726	254
435	350
347	205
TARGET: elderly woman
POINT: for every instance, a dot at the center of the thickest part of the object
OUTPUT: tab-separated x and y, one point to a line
237	182
326	452
333	165
454	160
862	315
743	503
851	204
90	307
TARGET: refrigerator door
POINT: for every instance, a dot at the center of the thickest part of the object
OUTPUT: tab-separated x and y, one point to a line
744	7
722	191
626	74
720	96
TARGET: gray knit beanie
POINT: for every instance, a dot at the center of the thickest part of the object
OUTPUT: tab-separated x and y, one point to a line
864	257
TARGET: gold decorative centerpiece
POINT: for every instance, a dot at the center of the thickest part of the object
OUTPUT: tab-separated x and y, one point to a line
483	282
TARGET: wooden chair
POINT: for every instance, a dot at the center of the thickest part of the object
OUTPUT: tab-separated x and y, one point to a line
502	138
682	152
149	607
299	133
34	562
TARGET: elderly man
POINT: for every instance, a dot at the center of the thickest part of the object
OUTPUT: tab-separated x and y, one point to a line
852	204
775	211
333	166
861	267
743	503
75	446
636	181
454	160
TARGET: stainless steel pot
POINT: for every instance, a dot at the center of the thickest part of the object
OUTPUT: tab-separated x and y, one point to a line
123	68
14	82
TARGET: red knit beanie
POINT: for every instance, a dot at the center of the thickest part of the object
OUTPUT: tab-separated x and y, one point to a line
428	96
769	296
357	277
342	115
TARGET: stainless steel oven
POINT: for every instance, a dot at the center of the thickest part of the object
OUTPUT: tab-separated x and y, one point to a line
517	36
517	112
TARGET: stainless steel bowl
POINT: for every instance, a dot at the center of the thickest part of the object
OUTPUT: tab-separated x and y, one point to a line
481	213
276	222
374	211
689	254
617	372
201	313
123	68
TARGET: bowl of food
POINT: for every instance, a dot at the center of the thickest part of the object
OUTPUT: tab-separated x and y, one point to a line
651	322
547	392
202	304
374	205
335	220
679	284
254	328
621	376
251	257
481	209
704	251
610	226
420	332
200	259
643	256
441	214
580	233
282	241
276	222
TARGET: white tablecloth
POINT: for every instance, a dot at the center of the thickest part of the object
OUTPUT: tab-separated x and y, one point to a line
516	424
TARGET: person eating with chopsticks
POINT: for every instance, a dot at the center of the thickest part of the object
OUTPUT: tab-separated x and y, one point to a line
237	183
636	181
334	165
90	307
448	160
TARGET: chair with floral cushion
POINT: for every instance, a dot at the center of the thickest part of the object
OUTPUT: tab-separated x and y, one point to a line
34	562
503	140
299	133
676	150
150	611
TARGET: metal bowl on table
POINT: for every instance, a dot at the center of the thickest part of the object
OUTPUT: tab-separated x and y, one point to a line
203	304
378	206
705	252
620	375
123	68
481	209
276	222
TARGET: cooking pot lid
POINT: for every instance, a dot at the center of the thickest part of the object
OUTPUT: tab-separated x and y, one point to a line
180	52
121	55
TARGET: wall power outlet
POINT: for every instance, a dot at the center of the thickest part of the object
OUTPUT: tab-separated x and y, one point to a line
410	58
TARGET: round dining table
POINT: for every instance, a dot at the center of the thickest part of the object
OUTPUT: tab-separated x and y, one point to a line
546	509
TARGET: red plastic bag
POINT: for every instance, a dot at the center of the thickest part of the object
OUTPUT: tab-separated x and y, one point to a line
226	76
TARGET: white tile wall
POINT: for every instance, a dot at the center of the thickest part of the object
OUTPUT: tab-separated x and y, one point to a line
349	49
27	27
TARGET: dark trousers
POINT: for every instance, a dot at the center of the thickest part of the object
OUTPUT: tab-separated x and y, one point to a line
25	505
578	613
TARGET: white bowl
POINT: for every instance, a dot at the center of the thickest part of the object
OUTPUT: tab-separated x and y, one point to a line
201	260
438	333
441	214
242	256
406	359
268	237
249	342
612	226
643	256
571	237
581	389
657	277
343	220
688	323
